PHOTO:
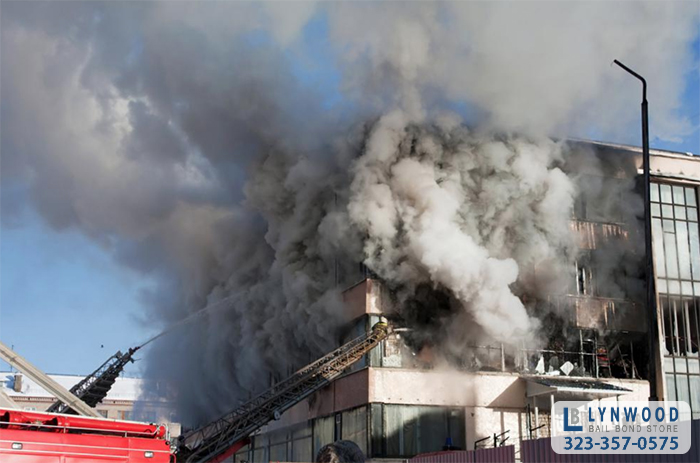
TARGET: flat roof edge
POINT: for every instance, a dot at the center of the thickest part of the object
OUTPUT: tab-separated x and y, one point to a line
637	149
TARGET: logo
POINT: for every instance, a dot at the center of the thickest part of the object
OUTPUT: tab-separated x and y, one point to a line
610	426
575	419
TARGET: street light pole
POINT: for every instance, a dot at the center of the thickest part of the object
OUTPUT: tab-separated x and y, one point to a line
652	317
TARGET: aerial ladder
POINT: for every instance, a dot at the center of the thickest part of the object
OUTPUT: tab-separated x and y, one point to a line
223	437
32	432
94	387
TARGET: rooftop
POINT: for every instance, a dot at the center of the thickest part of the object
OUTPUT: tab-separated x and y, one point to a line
638	149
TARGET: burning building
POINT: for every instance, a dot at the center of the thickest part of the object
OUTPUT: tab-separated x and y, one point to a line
413	394
419	180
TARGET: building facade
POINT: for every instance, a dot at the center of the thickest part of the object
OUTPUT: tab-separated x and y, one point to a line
394	406
397	402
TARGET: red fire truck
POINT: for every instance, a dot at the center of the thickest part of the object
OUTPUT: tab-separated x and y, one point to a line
37	437
42	437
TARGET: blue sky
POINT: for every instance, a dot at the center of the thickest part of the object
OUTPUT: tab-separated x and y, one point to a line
62	297
690	109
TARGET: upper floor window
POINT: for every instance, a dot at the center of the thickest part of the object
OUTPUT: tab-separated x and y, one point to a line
674	214
584	276
601	199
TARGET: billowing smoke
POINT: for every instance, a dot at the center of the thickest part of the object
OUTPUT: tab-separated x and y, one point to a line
468	212
251	153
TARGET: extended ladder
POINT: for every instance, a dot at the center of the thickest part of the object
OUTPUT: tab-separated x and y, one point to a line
94	387
212	441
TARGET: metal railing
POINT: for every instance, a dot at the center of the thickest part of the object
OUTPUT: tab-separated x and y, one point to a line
498	440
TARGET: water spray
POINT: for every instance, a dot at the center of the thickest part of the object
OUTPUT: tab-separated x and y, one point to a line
191	317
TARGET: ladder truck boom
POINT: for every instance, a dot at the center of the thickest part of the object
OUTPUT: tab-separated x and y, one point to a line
94	387
224	436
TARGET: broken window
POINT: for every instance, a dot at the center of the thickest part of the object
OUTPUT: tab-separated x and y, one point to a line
600	199
584	276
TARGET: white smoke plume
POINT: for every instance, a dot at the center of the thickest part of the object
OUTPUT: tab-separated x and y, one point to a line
464	211
196	144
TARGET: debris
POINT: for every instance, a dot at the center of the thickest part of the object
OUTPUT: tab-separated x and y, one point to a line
567	368
540	366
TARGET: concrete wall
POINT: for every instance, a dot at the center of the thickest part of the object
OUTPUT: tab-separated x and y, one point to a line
670	164
451	388
363	298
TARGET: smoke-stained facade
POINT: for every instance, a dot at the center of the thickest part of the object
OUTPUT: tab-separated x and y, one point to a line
410	396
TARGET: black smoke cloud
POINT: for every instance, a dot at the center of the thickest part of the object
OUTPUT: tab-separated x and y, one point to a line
182	138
